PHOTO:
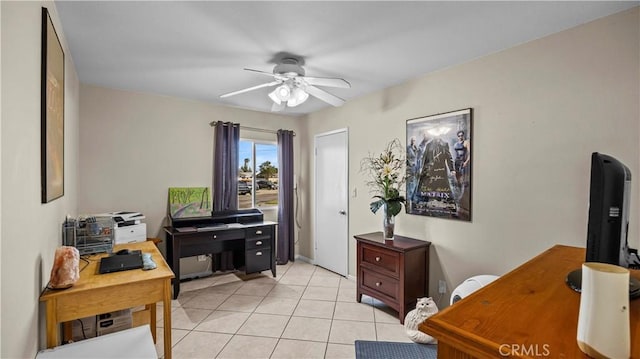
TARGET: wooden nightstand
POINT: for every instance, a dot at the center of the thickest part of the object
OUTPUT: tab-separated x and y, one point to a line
395	272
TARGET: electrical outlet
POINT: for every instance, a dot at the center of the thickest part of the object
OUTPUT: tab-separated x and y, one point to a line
202	258
442	286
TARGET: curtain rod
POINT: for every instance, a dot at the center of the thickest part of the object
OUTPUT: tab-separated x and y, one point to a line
213	123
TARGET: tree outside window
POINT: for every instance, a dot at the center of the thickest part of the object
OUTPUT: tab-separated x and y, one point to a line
257	187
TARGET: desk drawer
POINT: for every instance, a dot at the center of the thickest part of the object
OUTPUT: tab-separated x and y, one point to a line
259	232
227	234
380	283
375	258
261	243
195	244
258	260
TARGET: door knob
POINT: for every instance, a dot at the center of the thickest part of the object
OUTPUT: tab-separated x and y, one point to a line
342	212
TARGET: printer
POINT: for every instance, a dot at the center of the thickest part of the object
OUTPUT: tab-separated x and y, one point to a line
129	226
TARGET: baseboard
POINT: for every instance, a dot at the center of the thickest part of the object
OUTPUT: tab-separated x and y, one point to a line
310	261
304	259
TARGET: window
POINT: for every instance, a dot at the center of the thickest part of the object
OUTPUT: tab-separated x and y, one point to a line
257	174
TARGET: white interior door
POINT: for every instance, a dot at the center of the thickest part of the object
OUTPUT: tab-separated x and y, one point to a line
331	201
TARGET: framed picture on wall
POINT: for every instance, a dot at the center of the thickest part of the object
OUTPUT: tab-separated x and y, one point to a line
51	112
438	178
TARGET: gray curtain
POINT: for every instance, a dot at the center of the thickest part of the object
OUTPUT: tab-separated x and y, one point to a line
286	230
225	180
225	166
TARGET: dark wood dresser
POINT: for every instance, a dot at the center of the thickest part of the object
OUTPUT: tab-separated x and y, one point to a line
395	272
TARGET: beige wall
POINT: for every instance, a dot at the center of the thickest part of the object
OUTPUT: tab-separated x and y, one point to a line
540	109
0	180
135	146
30	230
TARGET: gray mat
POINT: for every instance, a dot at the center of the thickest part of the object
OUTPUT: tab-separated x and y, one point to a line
386	350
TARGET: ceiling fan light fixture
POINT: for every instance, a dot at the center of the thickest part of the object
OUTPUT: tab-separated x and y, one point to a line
274	97
283	92
291	87
298	96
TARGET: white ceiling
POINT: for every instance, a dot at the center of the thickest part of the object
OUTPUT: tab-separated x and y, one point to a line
197	50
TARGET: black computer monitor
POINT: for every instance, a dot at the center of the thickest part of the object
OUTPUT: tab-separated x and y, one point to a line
608	223
609	196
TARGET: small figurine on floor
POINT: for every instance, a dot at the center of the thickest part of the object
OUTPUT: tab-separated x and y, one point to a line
425	308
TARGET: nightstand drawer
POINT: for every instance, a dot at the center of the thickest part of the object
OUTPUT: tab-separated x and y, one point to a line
385	261
380	283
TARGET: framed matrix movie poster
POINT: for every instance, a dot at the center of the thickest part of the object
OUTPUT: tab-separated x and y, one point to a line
438	175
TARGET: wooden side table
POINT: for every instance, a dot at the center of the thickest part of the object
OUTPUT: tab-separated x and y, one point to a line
395	272
95	293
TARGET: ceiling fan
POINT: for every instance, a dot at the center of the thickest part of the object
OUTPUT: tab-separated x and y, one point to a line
293	87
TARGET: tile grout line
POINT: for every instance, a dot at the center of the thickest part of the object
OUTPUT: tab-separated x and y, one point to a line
285	326
289	320
279	339
245	321
212	311
228	341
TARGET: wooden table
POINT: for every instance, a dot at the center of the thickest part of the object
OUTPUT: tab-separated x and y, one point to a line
103	293
528	312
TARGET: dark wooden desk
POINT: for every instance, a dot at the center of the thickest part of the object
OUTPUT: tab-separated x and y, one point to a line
528	312
252	244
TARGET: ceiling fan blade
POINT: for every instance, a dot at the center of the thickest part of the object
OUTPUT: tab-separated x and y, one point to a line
324	96
277	108
273	83
260	71
327	81
275	76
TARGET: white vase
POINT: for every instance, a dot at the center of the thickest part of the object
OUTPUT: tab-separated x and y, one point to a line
603	321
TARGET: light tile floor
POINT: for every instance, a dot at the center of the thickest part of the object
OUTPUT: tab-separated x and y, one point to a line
305	312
